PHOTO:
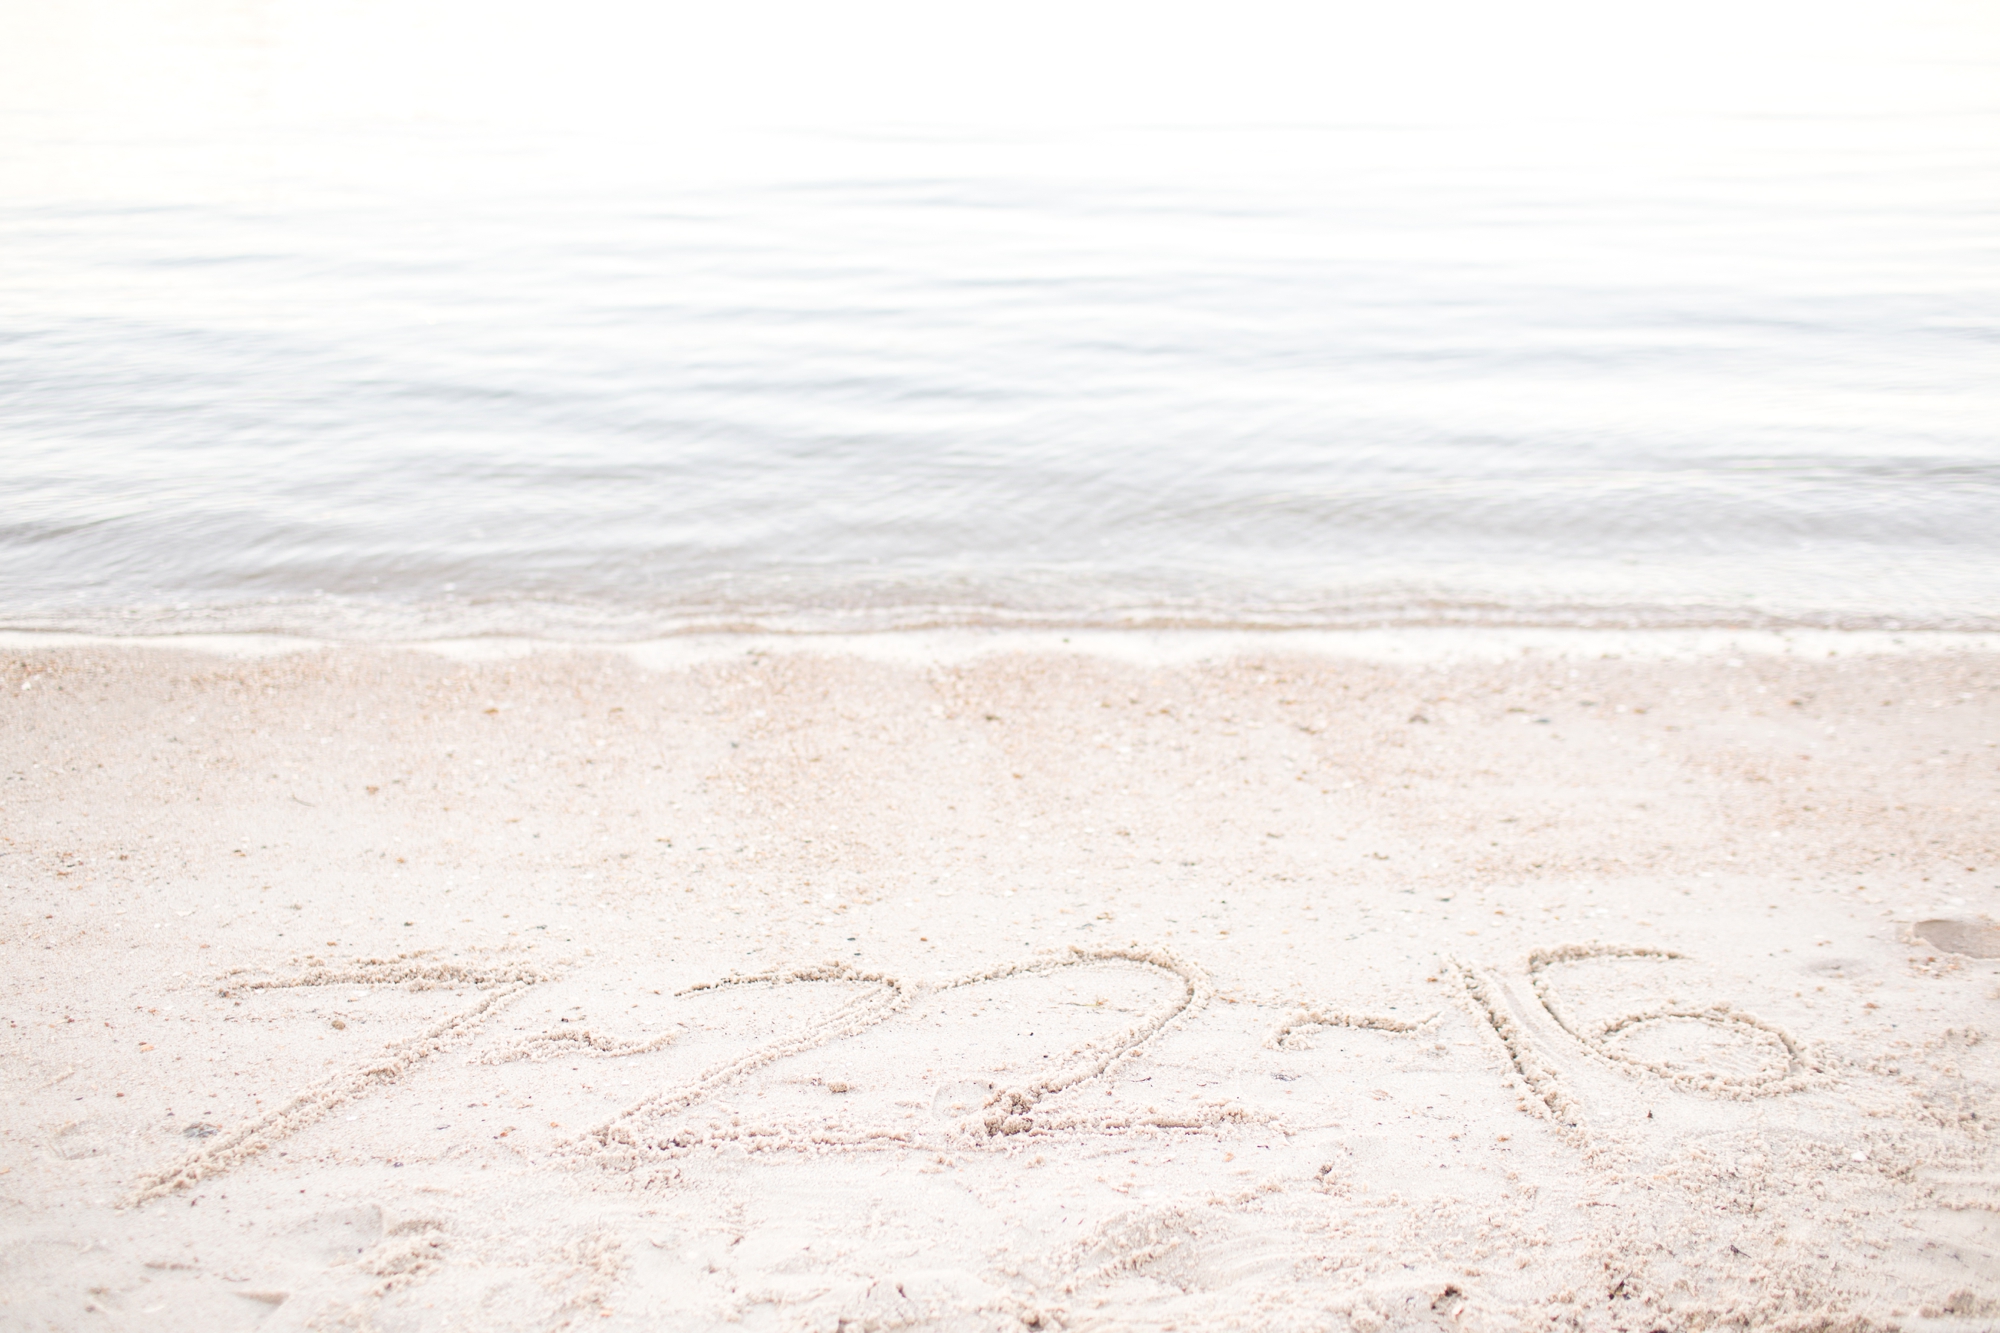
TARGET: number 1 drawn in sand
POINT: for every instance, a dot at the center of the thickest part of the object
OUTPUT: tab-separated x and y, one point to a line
232	1147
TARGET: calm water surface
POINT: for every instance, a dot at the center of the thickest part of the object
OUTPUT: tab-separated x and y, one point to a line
441	319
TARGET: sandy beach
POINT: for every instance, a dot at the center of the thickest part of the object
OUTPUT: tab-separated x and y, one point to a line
1423	980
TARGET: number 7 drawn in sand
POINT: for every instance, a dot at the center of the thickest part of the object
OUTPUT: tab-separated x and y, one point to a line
501	983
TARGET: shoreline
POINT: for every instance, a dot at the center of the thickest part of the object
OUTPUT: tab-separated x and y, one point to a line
1349	981
1164	646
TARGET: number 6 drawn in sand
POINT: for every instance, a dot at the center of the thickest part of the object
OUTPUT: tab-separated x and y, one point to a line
1796	1069
500	983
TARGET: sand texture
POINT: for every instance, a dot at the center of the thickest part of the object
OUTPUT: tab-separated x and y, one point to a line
783	986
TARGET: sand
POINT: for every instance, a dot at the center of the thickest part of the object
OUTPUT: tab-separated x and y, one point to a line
1463	980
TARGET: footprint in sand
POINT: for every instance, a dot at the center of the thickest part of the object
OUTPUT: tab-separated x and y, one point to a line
1974	937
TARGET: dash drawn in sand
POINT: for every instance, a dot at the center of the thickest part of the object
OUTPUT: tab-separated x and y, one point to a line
562	1043
1308	1021
222	1151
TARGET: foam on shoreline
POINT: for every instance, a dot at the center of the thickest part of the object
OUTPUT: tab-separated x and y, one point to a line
1135	646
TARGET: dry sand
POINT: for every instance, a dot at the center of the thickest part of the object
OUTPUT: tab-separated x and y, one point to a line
1191	982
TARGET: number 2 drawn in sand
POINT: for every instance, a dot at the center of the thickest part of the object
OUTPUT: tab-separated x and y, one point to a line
645	1133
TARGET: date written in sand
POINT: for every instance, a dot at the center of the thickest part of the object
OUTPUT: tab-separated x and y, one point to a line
1711	1049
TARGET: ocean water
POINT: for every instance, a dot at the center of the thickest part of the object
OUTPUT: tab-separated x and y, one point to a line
432	319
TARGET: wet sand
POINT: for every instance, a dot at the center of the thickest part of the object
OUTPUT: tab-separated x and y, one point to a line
1558	981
